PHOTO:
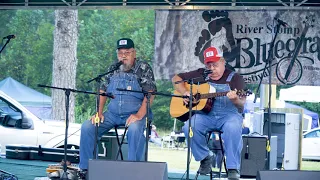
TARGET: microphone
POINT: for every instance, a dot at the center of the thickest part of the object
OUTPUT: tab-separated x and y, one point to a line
9	37
282	23
206	72
117	65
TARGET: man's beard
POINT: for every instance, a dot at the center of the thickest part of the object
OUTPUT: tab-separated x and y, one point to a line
125	67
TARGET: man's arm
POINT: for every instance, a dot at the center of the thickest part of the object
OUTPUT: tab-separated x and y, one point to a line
143	108
102	102
238	84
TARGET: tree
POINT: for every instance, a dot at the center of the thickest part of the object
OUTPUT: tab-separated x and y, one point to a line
64	61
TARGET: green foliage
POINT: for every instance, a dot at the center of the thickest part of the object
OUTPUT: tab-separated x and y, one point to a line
160	106
28	58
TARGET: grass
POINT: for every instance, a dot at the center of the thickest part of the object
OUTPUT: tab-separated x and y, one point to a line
177	160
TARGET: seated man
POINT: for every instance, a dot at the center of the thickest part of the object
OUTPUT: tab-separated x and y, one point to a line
127	108
225	114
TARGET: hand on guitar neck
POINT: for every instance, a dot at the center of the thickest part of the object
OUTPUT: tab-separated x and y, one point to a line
236	98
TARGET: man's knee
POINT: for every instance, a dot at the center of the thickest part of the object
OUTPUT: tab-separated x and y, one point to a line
231	126
86	126
135	127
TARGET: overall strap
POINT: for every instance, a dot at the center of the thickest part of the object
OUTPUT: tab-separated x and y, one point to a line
230	76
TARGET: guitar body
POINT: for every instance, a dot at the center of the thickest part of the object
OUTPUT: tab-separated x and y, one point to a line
181	111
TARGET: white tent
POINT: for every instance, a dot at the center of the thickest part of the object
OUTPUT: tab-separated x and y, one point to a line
301	94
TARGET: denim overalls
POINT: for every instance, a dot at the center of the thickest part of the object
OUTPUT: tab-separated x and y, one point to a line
119	109
225	116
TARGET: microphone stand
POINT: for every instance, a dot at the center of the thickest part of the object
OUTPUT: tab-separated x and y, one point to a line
97	117
5	45
148	119
190	134
269	62
67	93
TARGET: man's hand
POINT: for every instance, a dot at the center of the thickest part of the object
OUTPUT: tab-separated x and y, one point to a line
97	118
232	95
186	100
132	118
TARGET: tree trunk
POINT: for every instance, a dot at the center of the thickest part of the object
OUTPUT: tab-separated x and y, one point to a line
64	62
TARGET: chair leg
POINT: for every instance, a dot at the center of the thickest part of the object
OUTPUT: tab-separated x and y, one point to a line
196	177
120	143
223	157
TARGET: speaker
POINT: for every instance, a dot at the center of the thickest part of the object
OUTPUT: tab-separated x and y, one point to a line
253	155
133	170
290	174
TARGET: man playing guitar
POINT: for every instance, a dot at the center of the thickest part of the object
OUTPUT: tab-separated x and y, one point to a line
225	113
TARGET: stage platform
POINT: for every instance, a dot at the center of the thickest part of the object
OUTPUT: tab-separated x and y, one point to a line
36	170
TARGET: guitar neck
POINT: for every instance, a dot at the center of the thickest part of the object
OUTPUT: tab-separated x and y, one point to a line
213	95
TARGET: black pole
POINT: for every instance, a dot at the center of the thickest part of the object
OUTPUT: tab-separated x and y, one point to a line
270	58
97	118
189	125
67	94
65	174
148	120
269	63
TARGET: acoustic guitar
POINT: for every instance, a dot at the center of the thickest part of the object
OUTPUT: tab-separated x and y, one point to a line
202	101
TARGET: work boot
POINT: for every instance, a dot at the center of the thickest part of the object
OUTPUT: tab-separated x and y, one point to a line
233	174
83	174
206	165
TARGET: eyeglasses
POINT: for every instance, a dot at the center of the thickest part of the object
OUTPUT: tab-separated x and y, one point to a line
213	65
126	53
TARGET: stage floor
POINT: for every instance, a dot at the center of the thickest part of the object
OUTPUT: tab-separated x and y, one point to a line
36	170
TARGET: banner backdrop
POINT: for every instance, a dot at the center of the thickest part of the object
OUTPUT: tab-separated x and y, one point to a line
244	37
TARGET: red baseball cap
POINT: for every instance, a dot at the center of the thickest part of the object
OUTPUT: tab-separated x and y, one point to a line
212	54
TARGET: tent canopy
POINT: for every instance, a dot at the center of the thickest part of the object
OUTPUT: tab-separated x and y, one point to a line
301	94
23	94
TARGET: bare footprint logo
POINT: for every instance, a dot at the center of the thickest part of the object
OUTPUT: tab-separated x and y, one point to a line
219	34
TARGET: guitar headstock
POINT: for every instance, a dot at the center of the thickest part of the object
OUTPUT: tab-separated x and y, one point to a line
243	93
310	19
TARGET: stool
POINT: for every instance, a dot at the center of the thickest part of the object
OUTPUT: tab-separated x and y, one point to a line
118	140
222	150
